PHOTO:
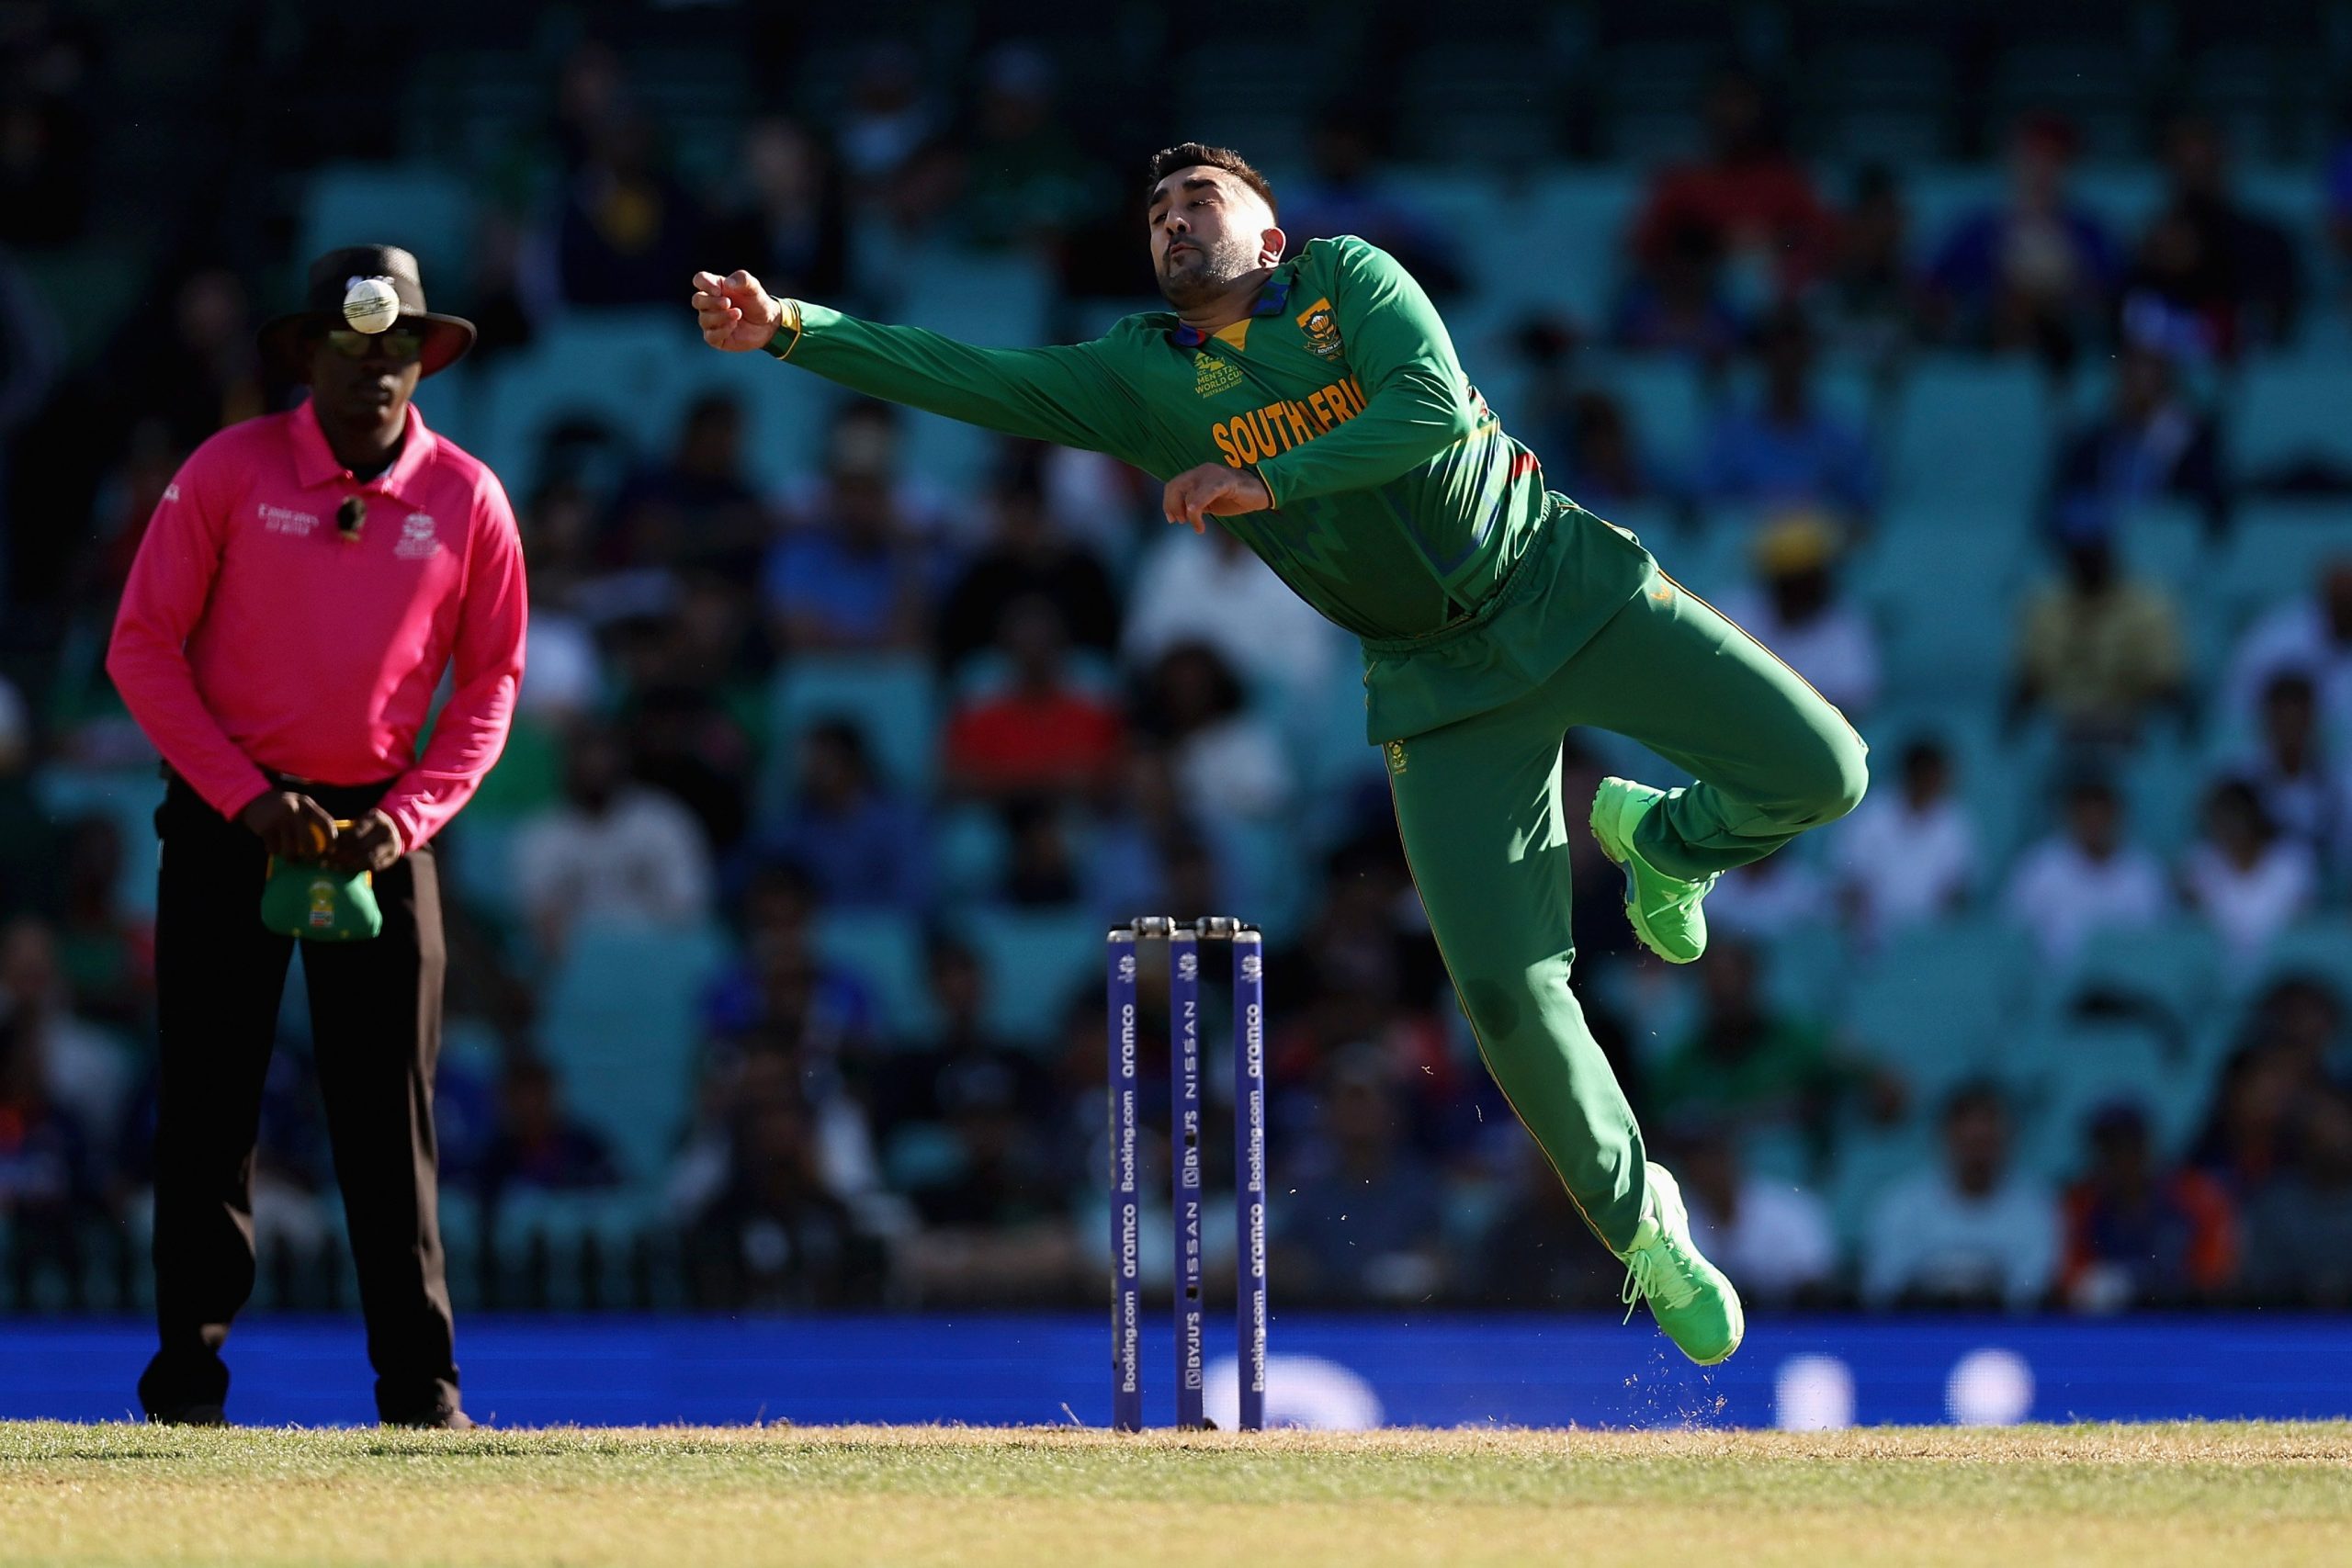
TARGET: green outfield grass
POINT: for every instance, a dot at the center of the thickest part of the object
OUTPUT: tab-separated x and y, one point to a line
700	1499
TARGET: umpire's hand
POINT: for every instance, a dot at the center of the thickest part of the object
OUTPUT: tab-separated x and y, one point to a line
372	843
736	313
290	825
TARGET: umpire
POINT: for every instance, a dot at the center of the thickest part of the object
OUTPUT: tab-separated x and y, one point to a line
304	585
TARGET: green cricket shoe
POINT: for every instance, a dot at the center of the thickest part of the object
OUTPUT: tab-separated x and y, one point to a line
1688	1295
1665	910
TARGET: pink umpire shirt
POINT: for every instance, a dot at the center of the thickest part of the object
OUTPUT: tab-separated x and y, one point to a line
253	636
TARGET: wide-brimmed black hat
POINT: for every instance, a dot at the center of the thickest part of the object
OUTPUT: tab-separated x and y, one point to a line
446	338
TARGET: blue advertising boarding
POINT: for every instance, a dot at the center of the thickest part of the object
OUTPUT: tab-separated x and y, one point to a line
1438	1371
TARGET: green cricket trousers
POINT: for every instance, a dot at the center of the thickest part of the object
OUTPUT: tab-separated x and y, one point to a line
1486	832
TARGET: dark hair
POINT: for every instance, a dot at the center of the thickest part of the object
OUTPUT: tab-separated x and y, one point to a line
1973	1095
1188	154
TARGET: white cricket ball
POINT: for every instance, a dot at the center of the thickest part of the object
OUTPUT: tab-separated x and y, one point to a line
370	305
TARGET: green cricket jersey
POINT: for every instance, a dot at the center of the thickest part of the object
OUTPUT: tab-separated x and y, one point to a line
1402	510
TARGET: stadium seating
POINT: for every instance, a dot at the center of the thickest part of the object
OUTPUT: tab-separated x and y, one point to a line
620	1019
1037	962
890	698
884	949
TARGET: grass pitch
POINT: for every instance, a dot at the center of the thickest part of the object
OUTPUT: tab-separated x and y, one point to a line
703	1498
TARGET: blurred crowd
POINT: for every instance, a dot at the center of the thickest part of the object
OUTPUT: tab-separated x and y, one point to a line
1048	712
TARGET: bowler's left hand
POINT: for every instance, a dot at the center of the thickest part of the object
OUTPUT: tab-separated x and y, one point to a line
1196	494
372	843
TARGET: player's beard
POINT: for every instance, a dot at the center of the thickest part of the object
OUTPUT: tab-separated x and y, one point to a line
1202	273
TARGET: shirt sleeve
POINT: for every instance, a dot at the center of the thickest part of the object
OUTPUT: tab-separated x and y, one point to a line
486	671
1066	393
163	602
1417	402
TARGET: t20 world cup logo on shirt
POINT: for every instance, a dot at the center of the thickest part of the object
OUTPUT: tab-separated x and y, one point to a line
418	539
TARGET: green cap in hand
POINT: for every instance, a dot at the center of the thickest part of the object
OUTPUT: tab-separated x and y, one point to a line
319	903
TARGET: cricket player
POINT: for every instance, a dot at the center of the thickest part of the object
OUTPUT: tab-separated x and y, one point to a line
1313	405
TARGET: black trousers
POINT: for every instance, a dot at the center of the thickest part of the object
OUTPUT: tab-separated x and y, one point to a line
376	1012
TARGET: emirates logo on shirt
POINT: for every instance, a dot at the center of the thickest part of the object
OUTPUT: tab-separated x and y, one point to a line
418	538
283	520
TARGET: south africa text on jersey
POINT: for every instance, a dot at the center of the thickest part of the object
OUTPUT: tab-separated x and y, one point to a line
1262	433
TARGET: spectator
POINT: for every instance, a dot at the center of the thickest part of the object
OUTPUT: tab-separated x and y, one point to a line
47	1178
2250	1136
2097	651
1787	450
782	987
1532	1251
1225	759
684	742
2301	1017
1911	857
2287	767
86	1074
1796	612
1749	1064
975	1129
1028	181
2086	877
1216	593
789	220
48	151
918	1085
774	1236
27	854
697	508
2308	634
888	117
2299	1231
204	373
1042	869
1040	735
1779	893
1872	298
1975	1233
1147	838
848	574
2227	277
1344	194
2247	881
2037	272
105	955
2139	1237
627	232
1026	556
1589	441
1748	202
1774	1236
2153	443
538	1147
563	673
1364	1220
613	851
1677	303
862	848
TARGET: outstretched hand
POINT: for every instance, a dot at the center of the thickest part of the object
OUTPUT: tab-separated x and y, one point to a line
736	313
1213	489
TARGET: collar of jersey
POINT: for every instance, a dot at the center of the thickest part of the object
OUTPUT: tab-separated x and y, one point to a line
1270	299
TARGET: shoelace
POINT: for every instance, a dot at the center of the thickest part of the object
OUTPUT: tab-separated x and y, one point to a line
1649	1271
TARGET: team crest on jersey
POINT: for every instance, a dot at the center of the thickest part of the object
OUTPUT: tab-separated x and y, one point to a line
1211	374
1321	329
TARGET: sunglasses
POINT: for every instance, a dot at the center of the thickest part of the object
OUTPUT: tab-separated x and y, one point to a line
400	347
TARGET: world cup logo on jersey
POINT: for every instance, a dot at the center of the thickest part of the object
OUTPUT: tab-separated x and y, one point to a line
1321	328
